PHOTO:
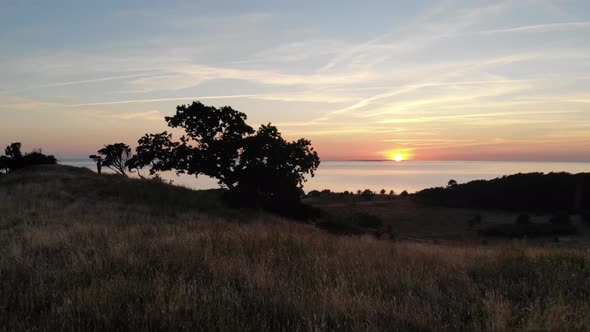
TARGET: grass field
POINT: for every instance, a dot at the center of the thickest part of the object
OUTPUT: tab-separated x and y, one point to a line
86	252
411	220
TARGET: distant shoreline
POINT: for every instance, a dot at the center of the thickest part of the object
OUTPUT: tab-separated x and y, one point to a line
82	159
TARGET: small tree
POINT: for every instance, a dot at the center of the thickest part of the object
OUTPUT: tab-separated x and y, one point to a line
451	184
114	156
12	158
391	192
382	192
367	194
98	160
4	165
404	193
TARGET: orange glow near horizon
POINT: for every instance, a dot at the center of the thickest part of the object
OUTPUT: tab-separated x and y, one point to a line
398	155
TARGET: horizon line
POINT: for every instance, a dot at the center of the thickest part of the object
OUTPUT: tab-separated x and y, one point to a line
405	161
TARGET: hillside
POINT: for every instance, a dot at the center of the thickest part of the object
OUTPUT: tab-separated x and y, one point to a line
81	251
532	192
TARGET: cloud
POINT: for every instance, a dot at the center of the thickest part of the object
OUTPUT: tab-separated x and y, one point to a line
540	28
16	103
471	116
420	33
92	80
147	115
137	101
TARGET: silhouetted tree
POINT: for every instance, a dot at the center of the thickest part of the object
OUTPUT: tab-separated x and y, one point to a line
382	192
367	194
13	151
391	192
4	165
98	160
259	168
13	158
451	184
115	156
404	193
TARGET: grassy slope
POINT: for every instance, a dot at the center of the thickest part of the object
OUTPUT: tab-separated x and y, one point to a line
80	251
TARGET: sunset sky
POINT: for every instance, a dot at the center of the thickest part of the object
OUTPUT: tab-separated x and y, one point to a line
431	80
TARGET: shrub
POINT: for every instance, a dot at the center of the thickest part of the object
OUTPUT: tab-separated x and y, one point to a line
523	219
561	219
14	159
313	193
476	220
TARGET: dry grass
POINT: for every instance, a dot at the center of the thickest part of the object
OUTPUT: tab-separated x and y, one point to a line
73	259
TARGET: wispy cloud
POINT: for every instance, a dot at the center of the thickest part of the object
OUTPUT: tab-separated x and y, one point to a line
147	115
79	82
540	28
471	116
459	73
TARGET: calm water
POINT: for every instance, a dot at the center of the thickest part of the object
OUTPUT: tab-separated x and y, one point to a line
377	175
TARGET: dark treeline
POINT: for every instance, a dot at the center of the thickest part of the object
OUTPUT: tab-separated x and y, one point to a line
519	192
14	159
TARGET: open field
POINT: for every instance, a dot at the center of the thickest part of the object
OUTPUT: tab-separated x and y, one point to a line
82	251
411	220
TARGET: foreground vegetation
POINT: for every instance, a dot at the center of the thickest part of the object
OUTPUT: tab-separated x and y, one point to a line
81	251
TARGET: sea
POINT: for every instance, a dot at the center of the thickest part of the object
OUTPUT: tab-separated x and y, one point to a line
412	176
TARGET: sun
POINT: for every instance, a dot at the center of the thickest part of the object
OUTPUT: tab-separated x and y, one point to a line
398	155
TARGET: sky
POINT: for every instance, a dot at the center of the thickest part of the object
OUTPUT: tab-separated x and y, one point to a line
428	80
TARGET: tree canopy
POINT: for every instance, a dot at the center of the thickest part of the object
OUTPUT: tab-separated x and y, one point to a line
257	167
114	156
